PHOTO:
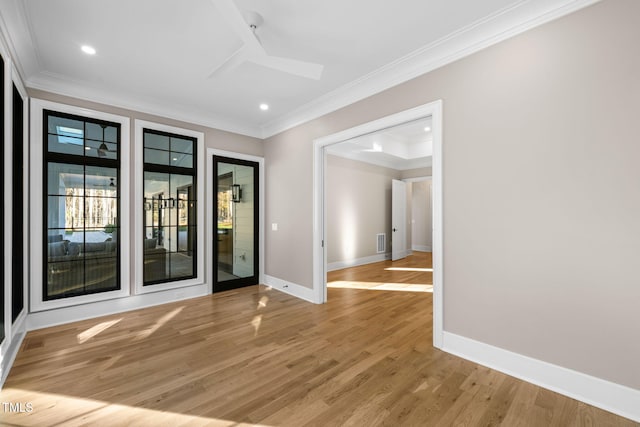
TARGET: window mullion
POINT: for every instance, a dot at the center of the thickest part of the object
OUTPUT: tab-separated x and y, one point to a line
65	254
158	175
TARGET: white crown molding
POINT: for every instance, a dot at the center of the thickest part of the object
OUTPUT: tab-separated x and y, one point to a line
493	29
17	16
64	86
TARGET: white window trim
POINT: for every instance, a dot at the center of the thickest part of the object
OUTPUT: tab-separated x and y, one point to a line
8	188
37	208
140	125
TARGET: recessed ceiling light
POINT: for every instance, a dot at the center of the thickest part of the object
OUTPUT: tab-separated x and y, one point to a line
87	148
175	159
88	50
264	107
427	129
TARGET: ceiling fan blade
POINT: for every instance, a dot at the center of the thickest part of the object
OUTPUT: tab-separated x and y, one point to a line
230	64
253	50
233	17
308	70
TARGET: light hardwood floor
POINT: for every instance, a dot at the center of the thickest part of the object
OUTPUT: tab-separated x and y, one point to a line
257	356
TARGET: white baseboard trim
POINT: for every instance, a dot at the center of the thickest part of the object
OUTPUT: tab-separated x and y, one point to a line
603	394
291	288
44	319
10	352
421	248
339	265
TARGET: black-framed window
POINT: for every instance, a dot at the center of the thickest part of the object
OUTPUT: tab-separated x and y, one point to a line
17	218
170	207
82	205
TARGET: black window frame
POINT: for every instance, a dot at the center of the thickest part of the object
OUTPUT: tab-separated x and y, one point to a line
84	161
18	215
175	170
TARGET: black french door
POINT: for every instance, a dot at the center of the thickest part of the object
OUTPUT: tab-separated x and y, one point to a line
235	241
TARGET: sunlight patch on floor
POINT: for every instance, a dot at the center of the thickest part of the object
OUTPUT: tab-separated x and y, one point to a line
403	287
408	269
160	323
50	409
256	322
95	330
263	302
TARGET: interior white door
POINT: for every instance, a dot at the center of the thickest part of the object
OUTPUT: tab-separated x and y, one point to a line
398	220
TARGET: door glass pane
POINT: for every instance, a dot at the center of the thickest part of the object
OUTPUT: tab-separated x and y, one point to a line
235	231
170	233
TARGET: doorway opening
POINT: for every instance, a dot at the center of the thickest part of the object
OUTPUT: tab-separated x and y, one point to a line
236	192
367	132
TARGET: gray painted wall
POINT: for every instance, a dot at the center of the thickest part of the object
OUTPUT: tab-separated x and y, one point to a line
421	221
541	200
358	207
416	173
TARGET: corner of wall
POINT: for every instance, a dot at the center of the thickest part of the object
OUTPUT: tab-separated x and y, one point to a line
291	288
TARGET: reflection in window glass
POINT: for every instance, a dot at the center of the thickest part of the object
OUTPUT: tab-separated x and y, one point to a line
170	208
82	206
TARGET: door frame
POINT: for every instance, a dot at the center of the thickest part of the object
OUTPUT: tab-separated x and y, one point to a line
433	109
211	208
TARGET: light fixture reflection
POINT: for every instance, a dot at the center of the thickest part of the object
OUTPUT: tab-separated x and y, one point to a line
236	193
88	50
102	150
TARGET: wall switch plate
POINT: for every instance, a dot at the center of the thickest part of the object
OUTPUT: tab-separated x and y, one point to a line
274	227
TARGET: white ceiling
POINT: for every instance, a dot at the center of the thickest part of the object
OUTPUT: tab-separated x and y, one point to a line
402	147
156	55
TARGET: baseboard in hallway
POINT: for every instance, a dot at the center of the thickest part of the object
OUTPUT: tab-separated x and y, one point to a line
338	265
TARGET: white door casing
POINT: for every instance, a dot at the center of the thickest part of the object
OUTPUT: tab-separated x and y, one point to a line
432	109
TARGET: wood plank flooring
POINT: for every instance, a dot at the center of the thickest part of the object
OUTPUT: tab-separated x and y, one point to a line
412	274
256	356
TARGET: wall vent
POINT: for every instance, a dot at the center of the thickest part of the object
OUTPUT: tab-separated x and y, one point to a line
381	240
